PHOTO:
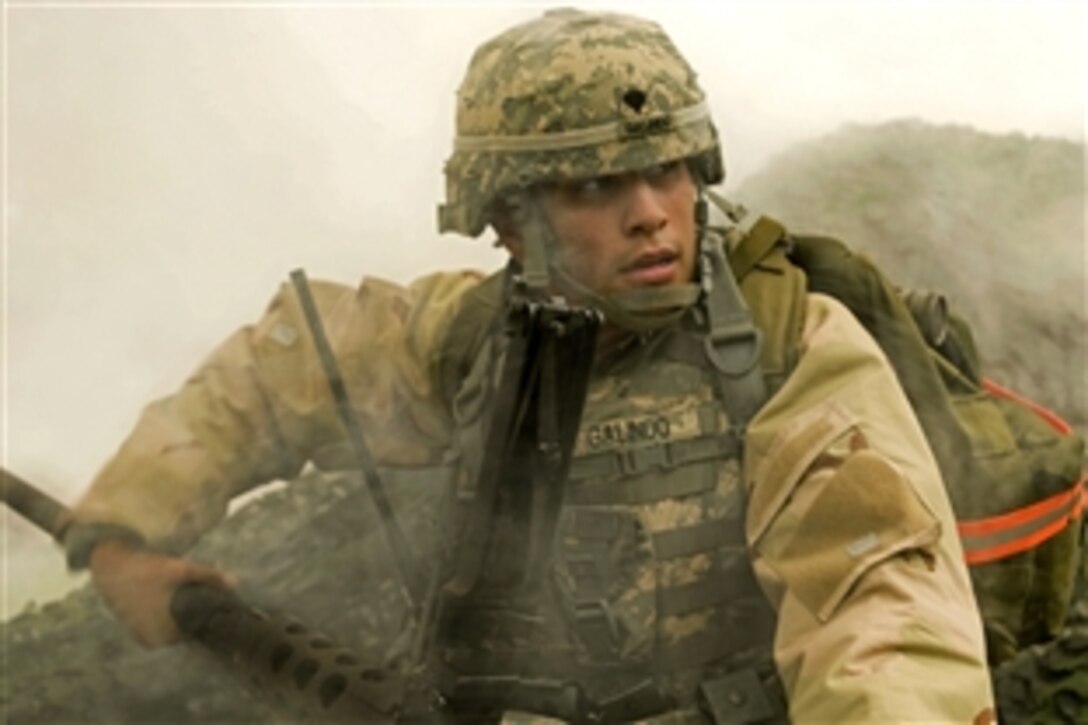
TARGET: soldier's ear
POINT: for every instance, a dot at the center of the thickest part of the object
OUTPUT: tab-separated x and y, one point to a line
508	232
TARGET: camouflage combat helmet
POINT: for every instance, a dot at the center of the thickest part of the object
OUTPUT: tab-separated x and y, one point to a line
568	96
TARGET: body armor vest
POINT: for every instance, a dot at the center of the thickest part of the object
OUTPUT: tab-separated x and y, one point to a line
649	592
649	602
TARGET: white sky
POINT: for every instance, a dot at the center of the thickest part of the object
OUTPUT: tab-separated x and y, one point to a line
165	166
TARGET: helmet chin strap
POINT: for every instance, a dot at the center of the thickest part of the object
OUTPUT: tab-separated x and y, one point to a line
641	311
732	343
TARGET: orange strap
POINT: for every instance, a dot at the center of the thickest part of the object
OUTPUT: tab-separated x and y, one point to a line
998	537
1011	533
1052	418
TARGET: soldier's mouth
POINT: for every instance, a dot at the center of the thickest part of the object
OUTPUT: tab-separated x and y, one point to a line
657	267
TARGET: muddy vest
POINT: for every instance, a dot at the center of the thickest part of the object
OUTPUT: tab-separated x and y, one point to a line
649	602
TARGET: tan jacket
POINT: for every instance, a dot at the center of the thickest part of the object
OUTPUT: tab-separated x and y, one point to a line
851	532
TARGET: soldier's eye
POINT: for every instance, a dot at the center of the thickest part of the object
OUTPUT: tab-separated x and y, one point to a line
591	189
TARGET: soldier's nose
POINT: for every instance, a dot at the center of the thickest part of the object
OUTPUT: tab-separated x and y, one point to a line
644	212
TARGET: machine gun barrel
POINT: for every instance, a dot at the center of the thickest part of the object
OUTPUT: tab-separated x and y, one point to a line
36	506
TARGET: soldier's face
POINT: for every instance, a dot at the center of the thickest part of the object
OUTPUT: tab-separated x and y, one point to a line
618	233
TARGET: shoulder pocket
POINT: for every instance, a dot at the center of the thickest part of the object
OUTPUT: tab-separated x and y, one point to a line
848	510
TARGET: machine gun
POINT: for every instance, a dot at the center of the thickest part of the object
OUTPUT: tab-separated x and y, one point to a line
294	666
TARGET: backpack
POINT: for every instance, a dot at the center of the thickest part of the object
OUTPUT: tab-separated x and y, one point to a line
1013	470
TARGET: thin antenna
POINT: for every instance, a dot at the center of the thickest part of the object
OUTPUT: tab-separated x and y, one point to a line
412	585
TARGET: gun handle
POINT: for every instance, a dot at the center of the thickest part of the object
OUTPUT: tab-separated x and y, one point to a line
294	666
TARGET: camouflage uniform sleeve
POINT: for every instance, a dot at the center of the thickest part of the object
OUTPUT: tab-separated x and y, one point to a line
854	542
259	408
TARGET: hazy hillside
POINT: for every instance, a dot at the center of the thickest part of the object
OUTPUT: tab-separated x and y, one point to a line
996	223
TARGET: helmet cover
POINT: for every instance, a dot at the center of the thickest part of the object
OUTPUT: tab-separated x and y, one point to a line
569	96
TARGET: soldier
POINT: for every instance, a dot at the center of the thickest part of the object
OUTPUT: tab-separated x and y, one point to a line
737	543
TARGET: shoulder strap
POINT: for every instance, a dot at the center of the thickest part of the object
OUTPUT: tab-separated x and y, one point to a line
772	286
775	290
